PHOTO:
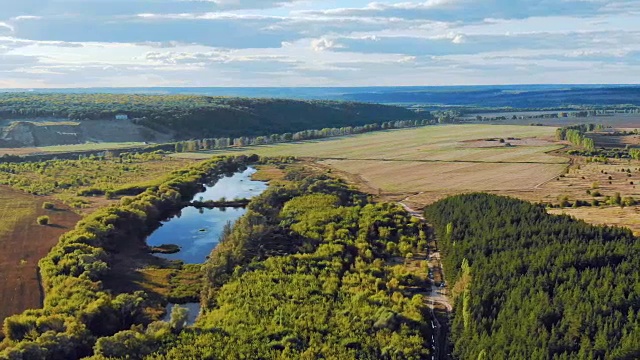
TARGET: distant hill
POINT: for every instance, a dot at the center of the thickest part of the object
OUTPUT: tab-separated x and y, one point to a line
190	116
484	96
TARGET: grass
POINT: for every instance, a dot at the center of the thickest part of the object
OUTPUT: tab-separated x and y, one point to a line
411	176
434	161
67	179
23	244
434	143
88	147
610	215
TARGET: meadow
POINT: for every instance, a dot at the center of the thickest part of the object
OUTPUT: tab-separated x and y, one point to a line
423	165
434	160
82	183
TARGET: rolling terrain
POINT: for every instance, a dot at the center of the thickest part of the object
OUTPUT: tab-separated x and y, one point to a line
36	119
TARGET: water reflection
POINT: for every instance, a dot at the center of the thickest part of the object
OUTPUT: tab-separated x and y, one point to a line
197	231
194	311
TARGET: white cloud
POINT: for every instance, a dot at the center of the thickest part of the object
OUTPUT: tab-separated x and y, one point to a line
6	27
313	42
324	44
26	17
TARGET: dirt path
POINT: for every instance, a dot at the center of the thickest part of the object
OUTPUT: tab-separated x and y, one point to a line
436	296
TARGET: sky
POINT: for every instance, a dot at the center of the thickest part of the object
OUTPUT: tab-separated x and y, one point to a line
242	43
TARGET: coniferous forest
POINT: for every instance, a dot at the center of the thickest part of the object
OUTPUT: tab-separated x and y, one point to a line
528	285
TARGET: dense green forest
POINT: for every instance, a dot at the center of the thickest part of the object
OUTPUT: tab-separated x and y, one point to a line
312	270
528	285
202	116
306	273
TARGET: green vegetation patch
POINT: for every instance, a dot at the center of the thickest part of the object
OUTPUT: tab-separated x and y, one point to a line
190	116
529	285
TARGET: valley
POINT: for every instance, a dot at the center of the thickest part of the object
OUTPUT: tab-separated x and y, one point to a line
341	234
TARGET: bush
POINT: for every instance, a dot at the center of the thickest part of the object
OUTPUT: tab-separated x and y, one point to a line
48	206
43	220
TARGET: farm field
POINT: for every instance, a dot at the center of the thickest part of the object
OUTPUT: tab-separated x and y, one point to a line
434	161
421	166
616	120
70	148
610	215
22	244
430	143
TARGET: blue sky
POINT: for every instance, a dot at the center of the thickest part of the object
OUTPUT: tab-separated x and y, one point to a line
135	43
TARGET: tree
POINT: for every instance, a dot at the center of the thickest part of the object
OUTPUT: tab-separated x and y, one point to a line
179	317
43	220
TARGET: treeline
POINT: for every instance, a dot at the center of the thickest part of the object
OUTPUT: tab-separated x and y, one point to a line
307	273
575	134
202	116
529	285
226	142
78	311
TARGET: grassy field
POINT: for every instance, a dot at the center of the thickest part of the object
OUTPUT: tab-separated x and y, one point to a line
66	179
432	143
70	148
420	166
434	161
89	146
22	244
610	215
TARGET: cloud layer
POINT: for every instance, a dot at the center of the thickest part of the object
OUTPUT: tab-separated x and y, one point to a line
74	43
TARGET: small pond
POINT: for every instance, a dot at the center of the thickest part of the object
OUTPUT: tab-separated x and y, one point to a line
194	311
197	231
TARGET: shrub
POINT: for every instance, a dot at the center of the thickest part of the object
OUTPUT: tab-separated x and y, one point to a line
48	206
43	220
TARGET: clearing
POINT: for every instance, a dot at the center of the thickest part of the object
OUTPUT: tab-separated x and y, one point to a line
23	243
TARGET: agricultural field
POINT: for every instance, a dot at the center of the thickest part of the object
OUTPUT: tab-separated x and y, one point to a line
430	143
436	160
615	141
70	148
615	120
23	243
423	165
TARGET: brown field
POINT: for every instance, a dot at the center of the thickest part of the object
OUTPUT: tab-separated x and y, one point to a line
420	166
434	161
22	244
412	177
616	120
612	141
610	215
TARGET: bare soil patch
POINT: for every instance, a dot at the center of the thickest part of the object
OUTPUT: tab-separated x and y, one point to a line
23	243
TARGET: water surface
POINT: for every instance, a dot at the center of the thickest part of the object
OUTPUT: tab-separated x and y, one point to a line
194	311
197	231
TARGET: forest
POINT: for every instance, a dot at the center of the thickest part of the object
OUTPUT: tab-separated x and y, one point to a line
191	116
528	285
313	269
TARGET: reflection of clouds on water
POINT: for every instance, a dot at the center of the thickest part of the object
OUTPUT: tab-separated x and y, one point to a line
184	229
194	311
239	185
